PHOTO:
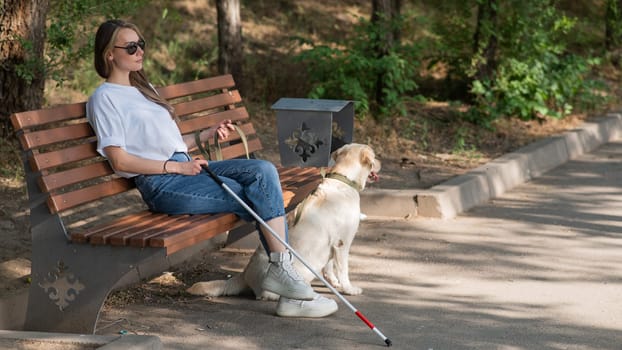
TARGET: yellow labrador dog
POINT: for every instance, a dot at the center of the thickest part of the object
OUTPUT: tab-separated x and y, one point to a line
324	226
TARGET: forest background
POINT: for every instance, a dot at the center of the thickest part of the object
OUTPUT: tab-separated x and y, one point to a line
440	86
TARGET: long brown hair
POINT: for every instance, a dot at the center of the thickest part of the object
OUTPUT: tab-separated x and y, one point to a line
104	43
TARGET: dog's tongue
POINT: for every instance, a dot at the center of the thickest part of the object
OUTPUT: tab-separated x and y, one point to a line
373	177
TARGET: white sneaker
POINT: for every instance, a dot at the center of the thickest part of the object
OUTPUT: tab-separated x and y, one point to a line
318	307
283	279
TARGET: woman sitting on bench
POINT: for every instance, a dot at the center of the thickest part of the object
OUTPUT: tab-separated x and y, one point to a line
136	131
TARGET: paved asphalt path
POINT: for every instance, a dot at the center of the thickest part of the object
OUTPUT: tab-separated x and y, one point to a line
538	268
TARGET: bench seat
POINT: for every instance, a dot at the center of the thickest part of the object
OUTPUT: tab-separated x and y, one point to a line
174	232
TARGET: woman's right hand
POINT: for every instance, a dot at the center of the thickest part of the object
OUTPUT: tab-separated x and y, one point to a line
192	167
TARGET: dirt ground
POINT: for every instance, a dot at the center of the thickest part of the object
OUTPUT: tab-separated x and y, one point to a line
37	345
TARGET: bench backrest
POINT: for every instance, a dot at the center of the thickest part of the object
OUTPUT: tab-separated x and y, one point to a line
60	144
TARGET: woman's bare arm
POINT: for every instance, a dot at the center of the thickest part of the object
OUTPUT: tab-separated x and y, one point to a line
123	161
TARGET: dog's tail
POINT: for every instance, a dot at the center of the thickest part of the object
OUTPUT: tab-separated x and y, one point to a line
233	286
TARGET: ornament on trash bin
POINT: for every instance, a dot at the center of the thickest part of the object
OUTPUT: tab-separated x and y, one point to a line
303	142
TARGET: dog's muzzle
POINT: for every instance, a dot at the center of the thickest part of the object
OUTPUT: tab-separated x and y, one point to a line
373	177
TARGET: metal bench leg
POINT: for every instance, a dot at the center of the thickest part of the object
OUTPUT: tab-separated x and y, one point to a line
70	282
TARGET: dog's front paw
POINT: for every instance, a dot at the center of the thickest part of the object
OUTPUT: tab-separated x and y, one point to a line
203	288
333	281
268	296
352	290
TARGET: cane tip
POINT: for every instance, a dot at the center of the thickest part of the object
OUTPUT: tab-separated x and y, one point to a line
388	342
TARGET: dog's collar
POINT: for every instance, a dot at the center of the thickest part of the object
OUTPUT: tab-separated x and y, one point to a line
335	176
345	180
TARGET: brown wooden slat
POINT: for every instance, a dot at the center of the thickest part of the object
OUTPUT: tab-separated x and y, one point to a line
202	224
207	103
211	229
300	193
38	117
238	150
51	136
142	240
288	172
247	129
197	86
59	202
123	238
61	179
103	236
204	122
72	154
287	197
294	181
84	236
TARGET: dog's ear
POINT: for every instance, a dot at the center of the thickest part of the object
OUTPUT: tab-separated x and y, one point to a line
368	157
336	154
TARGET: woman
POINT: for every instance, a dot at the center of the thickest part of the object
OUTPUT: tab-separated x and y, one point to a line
137	133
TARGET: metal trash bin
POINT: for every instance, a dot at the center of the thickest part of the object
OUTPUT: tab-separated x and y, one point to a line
309	130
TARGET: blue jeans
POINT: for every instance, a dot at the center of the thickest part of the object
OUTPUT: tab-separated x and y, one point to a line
255	181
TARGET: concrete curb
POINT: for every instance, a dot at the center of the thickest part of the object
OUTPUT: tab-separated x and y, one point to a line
491	180
101	342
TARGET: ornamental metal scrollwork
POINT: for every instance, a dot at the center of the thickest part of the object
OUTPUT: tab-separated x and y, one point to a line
63	286
303	142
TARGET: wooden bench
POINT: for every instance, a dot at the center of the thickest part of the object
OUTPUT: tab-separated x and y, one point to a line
89	227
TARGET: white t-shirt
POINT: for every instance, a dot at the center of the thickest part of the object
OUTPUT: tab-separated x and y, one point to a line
123	117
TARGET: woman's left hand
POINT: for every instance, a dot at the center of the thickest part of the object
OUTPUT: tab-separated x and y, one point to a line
223	130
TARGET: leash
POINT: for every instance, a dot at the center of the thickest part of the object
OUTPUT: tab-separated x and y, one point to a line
205	149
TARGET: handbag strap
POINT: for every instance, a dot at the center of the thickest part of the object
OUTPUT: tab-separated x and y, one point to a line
206	149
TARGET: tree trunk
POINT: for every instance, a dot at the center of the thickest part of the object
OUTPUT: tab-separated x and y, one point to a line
485	40
21	21
610	22
383	16
230	53
613	30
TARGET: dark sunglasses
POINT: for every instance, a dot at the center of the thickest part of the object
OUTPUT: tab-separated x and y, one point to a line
132	47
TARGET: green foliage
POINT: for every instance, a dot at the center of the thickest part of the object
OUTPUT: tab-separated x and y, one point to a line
536	75
31	67
69	37
351	70
542	69
171	59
